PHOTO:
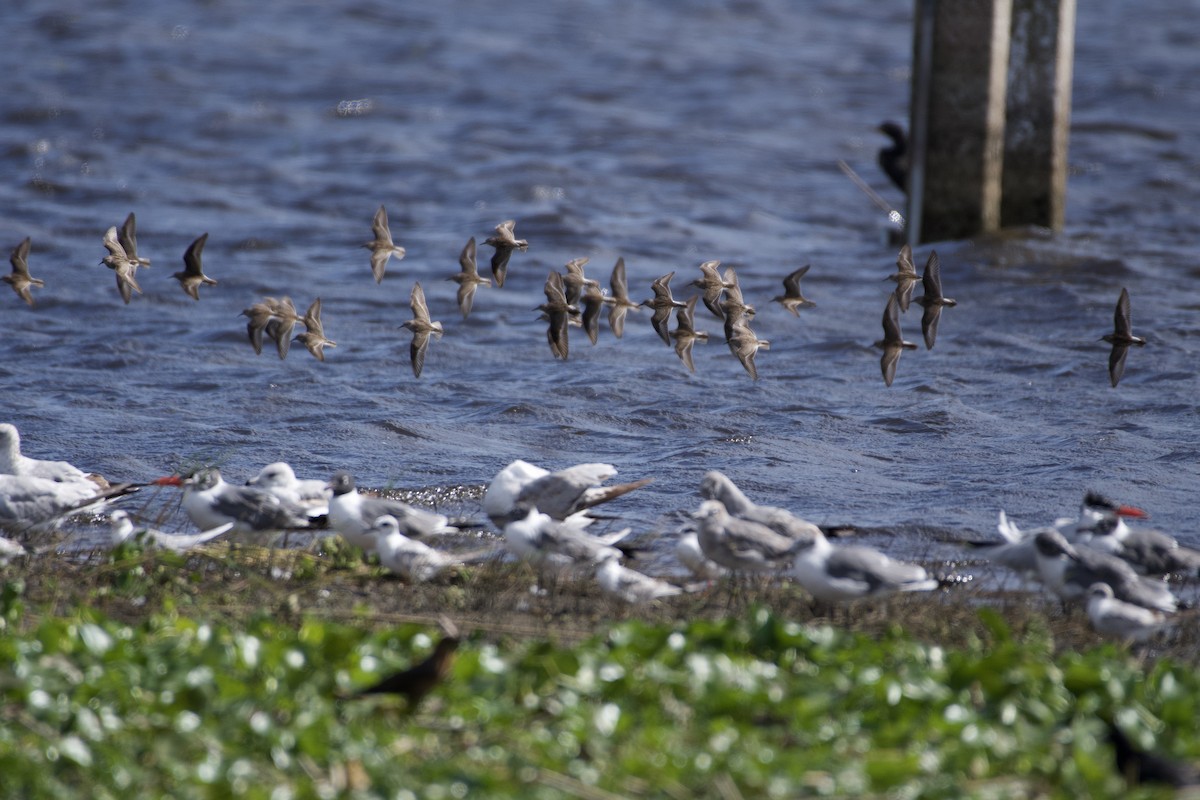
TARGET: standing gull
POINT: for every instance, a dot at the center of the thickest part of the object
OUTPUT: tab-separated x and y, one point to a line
504	242
892	343
1069	572
313	337
792	298
739	544
280	480
933	301
557	312
468	278
119	263
1148	551
20	280
193	275
685	333
835	574
619	299
549	544
382	247
905	277
630	585
662	303
1121	338
353	515
415	561
716	486
691	555
1121	620
421	327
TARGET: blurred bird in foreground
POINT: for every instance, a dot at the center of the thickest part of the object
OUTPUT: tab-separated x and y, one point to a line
420	679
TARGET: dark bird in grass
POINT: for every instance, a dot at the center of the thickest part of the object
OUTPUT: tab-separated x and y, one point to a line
745	344
1121	338
382	247
420	679
127	236
933	301
893	160
468	279
905	277
20	280
119	263
593	304
619	299
893	343
685	333
557	312
504	242
792	298
662	303
1139	766
193	275
713	286
421	327
313	337
575	282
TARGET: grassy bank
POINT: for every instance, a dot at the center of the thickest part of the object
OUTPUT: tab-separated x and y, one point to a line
217	675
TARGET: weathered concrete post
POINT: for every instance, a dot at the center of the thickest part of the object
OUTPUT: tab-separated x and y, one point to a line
960	76
1039	113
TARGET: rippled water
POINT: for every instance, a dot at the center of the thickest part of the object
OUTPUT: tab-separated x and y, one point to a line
665	133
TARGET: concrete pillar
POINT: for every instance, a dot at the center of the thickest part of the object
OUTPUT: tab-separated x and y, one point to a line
960	76
1038	113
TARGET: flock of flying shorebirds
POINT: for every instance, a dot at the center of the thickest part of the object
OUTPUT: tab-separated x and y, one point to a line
572	299
544	518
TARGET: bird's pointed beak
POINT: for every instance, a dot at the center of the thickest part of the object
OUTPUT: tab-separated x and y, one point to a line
170	480
1131	511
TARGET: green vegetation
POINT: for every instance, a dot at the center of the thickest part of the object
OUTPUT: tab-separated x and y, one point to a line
148	674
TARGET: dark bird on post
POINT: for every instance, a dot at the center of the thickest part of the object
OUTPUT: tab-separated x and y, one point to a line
20	280
893	343
893	160
619	299
504	242
662	303
933	301
468	279
420	679
1121	338
792	298
193	275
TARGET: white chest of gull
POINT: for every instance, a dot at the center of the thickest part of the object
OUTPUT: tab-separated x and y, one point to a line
691	555
1069	572
837	574
353	515
123	529
738	544
211	502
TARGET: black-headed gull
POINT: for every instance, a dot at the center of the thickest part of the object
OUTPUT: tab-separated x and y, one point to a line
123	529
1121	620
835	574
1069	571
545	542
353	515
210	502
